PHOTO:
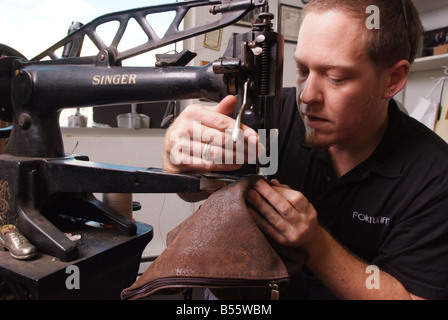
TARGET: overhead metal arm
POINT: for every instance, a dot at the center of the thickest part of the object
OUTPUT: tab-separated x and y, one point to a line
231	11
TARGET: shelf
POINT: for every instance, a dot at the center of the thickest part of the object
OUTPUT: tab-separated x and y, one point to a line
430	63
429	5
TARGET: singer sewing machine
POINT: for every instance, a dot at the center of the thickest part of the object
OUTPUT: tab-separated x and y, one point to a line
41	183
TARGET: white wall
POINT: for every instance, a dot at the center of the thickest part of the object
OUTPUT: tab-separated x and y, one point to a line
435	19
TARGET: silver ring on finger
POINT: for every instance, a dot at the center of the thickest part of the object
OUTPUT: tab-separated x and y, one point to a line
206	151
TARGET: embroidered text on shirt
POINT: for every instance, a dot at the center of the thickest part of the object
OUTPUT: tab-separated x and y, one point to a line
369	219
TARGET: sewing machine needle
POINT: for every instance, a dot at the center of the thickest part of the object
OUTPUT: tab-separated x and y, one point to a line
237	127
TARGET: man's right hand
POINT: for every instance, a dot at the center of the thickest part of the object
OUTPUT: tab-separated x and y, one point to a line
186	140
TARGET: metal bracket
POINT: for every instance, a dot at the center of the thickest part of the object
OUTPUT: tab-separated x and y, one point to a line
231	11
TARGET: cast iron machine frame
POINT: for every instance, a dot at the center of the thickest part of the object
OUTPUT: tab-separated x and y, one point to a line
41	183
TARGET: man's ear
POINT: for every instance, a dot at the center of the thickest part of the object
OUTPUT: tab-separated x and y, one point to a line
397	78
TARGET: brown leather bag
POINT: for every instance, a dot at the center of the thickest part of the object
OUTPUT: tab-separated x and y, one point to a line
220	247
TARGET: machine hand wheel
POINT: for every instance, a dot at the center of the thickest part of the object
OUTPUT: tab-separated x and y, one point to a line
7	57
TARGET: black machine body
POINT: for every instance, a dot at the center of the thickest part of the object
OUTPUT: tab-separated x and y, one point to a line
40	181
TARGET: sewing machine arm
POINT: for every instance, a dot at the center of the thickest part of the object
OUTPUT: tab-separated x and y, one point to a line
40	181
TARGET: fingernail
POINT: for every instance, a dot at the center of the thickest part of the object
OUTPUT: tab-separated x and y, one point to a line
258	183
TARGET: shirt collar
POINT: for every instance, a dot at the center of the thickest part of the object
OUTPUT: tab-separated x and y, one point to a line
384	161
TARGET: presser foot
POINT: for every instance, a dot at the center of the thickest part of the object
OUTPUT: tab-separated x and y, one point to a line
89	208
49	239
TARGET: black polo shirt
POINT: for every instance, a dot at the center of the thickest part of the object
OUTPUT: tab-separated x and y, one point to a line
391	210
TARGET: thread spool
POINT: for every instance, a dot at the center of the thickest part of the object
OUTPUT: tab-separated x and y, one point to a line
120	202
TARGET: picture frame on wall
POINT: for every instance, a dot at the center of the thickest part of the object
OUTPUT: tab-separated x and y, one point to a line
212	40
290	19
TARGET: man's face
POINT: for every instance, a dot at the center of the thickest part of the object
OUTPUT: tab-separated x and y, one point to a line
339	92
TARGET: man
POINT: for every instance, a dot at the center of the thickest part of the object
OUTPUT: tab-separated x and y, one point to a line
361	187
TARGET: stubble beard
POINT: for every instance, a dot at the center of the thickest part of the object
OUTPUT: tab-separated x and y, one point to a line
312	140
366	114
